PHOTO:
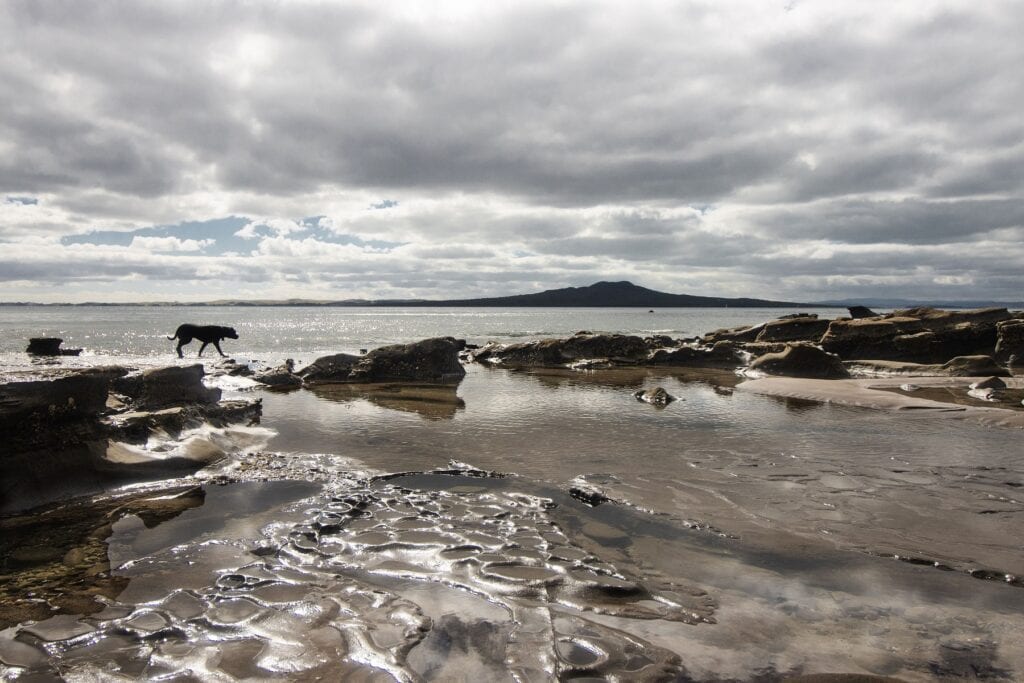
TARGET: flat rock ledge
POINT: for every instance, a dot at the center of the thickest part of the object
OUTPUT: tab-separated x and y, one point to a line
880	394
927	341
62	428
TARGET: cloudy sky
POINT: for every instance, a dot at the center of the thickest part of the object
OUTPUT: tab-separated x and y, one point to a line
792	149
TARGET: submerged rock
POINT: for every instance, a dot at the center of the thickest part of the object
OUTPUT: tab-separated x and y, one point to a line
281	377
656	396
801	360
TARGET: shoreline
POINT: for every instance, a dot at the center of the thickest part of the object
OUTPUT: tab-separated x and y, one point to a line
875	394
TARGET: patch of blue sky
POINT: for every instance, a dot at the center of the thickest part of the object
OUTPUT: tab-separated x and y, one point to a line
224	233
22	200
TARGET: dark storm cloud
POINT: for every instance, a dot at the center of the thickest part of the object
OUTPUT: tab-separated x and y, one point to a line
908	221
559	140
537	102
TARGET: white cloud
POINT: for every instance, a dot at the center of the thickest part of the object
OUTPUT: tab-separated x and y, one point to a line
843	146
168	244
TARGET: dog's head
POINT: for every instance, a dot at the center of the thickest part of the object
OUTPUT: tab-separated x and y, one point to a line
230	332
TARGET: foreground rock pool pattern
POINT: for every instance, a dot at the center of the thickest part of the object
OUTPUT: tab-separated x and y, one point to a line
298	565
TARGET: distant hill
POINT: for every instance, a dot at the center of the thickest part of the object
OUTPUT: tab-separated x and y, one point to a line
600	294
606	294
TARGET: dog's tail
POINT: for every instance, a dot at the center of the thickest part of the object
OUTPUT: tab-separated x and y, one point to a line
175	335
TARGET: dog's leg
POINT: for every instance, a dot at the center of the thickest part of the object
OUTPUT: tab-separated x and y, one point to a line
180	344
201	349
217	345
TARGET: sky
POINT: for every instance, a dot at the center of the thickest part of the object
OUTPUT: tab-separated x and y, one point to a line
797	150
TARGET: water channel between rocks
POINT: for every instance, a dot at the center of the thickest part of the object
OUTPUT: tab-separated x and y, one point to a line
743	538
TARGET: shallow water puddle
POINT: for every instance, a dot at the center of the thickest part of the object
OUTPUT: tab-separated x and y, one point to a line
447	576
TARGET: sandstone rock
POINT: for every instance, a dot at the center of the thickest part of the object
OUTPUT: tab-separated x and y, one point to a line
68	397
990	383
801	327
857	312
429	360
801	360
229	366
989	394
961	366
169	386
138	426
335	368
745	333
281	377
723	354
1010	342
617	348
974	366
867	337
656	397
919	335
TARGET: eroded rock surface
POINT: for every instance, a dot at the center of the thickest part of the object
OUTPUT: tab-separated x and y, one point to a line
59	427
429	360
801	360
917	335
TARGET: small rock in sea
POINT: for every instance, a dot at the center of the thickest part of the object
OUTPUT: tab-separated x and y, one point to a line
909	387
985	394
656	397
722	391
990	383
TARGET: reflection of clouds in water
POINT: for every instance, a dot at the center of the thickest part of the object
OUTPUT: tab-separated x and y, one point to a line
848	613
324	596
442	576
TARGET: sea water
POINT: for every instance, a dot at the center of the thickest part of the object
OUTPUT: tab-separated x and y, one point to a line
376	535
283	331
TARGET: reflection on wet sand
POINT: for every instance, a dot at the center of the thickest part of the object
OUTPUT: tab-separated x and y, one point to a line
56	561
624	377
463	576
431	401
725	537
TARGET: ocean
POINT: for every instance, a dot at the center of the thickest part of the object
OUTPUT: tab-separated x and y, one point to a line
373	534
278	332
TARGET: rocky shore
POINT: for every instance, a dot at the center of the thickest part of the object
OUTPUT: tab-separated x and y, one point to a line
581	544
67	431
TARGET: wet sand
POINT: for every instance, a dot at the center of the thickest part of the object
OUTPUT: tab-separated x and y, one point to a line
787	528
880	394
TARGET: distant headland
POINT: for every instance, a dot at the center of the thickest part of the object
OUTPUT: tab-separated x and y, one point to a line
603	294
600	294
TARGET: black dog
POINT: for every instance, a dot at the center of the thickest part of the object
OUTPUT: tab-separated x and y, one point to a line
208	334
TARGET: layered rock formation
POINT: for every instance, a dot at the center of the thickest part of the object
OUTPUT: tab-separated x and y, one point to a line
429	360
59	427
948	342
